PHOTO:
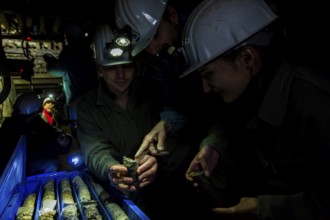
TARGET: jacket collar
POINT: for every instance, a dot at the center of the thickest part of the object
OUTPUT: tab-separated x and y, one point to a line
274	104
103	97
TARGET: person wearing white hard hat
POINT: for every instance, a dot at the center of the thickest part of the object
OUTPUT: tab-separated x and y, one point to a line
156	33
149	21
44	143
112	122
50	114
271	158
157	27
113	117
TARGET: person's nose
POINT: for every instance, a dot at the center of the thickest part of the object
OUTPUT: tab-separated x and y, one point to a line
120	71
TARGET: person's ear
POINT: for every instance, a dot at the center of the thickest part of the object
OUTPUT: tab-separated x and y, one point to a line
246	54
173	14
250	57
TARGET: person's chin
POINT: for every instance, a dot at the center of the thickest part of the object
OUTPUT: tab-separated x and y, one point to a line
121	89
224	97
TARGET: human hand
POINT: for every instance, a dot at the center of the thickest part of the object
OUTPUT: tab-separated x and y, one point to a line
206	159
147	169
154	141
119	179
246	209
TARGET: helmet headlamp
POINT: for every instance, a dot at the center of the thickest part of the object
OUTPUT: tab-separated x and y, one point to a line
123	41
120	45
113	50
123	37
112	47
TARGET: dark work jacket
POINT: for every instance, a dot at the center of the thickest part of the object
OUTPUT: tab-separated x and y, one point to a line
279	135
106	132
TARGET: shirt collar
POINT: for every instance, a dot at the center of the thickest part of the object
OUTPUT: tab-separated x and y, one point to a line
102	98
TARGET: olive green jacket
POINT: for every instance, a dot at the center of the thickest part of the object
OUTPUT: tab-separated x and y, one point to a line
106	132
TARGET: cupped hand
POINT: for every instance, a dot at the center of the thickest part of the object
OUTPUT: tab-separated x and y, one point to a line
119	179
205	160
147	169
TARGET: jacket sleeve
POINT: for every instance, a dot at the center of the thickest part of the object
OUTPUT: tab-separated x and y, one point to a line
216	139
95	147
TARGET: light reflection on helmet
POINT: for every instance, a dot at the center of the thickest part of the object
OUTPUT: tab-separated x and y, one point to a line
27	103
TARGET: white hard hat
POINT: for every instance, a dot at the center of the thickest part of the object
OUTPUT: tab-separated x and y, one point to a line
48	99
216	26
143	17
27	103
103	42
